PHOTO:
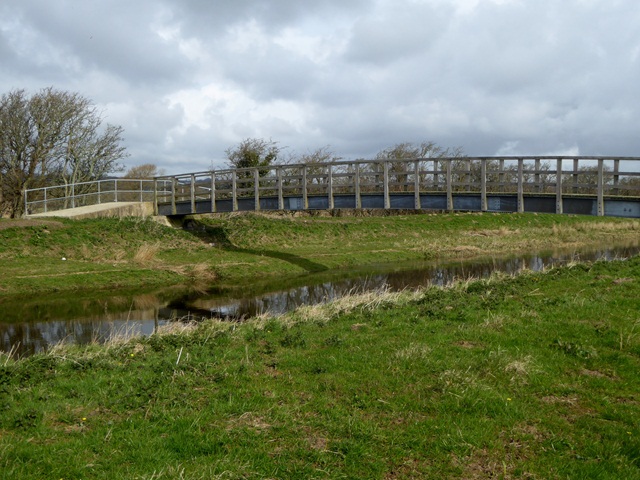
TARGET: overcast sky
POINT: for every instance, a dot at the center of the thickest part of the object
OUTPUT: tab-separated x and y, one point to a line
188	79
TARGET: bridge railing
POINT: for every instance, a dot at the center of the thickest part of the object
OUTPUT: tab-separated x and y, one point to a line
548	176
560	176
59	197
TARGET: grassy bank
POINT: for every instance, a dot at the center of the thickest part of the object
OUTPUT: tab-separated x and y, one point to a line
527	377
65	255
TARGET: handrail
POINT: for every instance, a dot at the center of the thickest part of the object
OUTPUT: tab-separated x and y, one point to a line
59	197
558	176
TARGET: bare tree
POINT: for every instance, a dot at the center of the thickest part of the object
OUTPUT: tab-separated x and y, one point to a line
52	136
410	151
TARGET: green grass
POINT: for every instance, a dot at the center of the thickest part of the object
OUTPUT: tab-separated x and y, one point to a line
526	377
227	250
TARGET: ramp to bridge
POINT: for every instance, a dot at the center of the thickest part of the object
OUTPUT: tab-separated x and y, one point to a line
103	210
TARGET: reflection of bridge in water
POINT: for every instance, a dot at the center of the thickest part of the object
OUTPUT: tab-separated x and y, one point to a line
584	185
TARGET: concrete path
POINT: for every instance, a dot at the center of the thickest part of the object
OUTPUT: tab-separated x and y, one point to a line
114	209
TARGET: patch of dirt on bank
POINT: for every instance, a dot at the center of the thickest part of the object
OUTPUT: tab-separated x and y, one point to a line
21	223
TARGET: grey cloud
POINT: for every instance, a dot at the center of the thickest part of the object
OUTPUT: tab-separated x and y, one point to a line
396	32
187	79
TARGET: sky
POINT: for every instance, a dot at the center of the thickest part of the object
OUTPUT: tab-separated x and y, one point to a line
189	79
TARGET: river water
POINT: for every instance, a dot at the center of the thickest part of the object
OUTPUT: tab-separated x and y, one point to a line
27	327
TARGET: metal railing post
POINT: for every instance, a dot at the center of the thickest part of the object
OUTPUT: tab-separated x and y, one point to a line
115	188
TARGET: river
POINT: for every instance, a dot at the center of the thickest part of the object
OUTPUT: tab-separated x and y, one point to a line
27	327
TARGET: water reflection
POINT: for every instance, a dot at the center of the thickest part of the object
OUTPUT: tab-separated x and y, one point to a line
34	326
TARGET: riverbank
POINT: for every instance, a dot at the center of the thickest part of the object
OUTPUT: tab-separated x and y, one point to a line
61	255
526	377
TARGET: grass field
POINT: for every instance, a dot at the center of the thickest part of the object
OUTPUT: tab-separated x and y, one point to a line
111	254
528	377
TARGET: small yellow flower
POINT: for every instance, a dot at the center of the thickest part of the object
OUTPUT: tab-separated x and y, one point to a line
84	419
508	399
133	355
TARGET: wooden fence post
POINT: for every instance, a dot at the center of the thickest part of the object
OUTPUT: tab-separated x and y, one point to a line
234	191
483	185
559	185
280	194
174	210
417	204
600	187
256	190
357	187
305	194
387	200
449	186
520	185
155	196
193	193
213	191
330	186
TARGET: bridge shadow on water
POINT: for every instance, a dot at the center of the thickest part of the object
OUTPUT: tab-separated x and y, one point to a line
219	237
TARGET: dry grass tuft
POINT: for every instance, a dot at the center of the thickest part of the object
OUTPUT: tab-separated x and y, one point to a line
177	328
494	321
520	368
146	253
367	301
197	272
414	351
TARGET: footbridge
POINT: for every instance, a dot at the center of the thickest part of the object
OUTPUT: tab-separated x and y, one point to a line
576	185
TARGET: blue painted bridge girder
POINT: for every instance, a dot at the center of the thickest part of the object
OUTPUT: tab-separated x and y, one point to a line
580	205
